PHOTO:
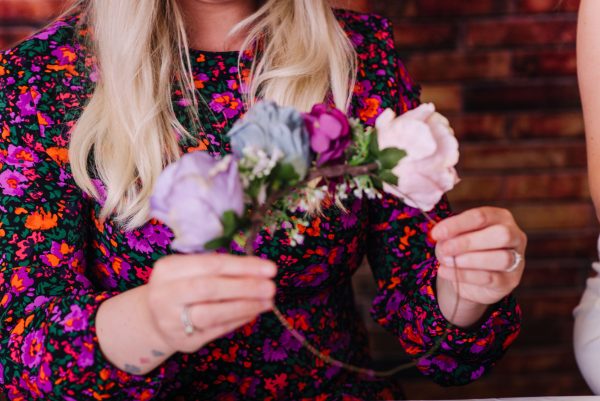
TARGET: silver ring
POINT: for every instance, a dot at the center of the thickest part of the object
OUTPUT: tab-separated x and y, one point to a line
518	258
188	326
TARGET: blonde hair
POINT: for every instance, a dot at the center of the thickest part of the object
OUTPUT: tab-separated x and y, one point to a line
129	128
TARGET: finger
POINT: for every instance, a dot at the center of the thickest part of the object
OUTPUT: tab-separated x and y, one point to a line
498	260
217	289
491	238
479	278
471	220
225	329
208	317
176	267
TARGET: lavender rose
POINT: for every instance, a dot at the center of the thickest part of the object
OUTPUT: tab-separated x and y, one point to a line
192	195
329	132
428	170
273	130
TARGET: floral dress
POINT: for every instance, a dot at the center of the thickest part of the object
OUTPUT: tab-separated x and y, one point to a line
59	261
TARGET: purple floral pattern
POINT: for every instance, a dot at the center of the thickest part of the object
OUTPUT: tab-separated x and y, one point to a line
59	261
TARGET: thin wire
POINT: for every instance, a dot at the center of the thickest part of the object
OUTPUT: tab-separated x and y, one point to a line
337	362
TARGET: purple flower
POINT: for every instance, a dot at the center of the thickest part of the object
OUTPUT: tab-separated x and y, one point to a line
77	320
27	103
329	132
157	234
20	156
13	183
138	241
226	103
65	55
86	348
445	363
20	280
277	350
191	197
33	349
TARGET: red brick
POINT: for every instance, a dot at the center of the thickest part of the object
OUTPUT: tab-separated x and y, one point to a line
545	63
545	216
436	35
447	97
563	243
546	6
358	5
533	384
555	273
538	359
521	187
478	127
31	11
507	157
445	8
448	66
521	32
554	304
11	36
551	95
547	125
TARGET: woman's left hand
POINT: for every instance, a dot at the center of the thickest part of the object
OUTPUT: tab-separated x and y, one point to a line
481	254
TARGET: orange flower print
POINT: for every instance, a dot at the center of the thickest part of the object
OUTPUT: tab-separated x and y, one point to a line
41	220
371	109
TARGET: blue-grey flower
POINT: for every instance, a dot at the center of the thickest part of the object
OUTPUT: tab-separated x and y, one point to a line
273	129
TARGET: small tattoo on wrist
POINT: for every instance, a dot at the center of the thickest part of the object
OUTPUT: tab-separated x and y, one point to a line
132	369
157	353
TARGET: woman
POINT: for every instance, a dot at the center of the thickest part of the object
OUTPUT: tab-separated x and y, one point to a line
94	304
587	314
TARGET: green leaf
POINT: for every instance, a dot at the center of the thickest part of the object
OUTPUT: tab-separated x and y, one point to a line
377	183
374	143
218	243
254	188
286	173
389	177
230	223
390	157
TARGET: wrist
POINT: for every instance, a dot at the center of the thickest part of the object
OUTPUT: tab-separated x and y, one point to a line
153	329
457	310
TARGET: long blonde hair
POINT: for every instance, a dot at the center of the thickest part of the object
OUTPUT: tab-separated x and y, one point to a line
129	128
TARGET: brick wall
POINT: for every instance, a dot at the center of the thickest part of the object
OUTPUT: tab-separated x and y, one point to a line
504	73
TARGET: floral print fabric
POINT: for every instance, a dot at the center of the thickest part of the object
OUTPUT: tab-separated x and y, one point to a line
59	262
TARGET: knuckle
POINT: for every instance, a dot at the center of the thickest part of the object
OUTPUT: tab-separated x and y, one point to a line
480	216
504	234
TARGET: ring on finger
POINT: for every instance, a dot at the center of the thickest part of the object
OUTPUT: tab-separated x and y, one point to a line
188	326
517	259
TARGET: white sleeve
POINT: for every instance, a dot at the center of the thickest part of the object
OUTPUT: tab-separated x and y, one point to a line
587	332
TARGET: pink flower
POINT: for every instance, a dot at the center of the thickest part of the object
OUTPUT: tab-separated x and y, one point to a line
428	170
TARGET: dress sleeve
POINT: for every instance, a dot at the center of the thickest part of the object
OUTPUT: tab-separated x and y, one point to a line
587	332
401	254
48	343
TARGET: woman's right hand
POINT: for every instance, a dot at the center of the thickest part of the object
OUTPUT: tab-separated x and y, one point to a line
221	292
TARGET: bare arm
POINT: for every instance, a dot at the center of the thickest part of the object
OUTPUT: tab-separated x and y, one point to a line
588	60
